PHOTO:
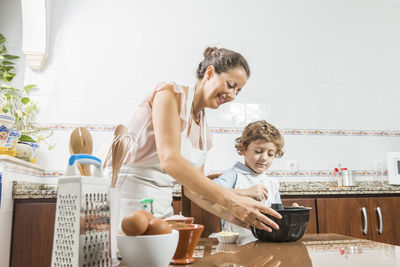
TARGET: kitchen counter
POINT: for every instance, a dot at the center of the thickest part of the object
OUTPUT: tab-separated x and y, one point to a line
331	188
26	190
312	250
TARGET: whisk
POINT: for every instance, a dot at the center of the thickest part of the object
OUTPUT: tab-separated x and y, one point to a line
122	152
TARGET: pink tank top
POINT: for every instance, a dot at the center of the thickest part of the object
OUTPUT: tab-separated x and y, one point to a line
141	124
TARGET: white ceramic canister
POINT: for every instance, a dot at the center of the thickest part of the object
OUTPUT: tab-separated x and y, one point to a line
349	178
6	122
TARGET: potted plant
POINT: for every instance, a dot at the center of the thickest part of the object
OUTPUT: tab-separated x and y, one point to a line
17	103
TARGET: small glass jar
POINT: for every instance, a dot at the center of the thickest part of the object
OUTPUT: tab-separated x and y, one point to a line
147	204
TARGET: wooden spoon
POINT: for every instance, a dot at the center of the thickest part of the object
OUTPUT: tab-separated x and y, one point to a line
119	146
81	142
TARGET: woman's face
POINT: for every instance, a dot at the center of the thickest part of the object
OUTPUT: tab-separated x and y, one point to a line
224	87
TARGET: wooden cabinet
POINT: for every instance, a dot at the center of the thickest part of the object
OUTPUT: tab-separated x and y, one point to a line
312	227
347	216
373	218
32	233
385	222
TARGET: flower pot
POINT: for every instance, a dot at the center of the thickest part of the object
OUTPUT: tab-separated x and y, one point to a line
6	122
12	139
35	148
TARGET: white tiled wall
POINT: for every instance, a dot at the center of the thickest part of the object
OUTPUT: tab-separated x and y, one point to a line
315	64
5	227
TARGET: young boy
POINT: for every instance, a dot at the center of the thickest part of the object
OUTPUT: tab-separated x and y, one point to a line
260	144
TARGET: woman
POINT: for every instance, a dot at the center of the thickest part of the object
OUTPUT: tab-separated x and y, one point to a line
170	129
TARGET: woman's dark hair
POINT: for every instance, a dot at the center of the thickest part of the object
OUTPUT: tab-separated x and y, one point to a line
223	60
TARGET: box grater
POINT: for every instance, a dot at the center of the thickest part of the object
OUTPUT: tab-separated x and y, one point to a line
82	224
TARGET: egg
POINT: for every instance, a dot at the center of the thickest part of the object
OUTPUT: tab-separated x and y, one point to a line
158	227
134	224
148	214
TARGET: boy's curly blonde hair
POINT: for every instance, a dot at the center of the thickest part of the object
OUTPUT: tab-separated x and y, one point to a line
260	130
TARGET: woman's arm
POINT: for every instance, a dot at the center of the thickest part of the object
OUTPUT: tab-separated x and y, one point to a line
167	131
213	208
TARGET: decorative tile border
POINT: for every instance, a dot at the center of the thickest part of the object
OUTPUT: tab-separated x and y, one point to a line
327	132
238	130
90	127
312	173
277	173
53	173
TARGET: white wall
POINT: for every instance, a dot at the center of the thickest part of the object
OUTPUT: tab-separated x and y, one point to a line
315	65
11	28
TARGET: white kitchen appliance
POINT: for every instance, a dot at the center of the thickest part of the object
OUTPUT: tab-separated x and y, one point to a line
393	164
82	225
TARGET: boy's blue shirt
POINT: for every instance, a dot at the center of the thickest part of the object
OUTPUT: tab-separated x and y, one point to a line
228	178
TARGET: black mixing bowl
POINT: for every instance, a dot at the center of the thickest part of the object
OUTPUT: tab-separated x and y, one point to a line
291	227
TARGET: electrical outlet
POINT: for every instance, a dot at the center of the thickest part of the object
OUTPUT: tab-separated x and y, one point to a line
378	165
291	165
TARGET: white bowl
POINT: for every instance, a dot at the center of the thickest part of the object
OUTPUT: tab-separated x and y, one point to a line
228	239
147	250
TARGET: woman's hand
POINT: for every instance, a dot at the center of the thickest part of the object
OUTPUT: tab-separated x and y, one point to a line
249	212
257	192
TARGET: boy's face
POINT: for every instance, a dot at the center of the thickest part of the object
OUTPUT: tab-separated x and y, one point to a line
259	155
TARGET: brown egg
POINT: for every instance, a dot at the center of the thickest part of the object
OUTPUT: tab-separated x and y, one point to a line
134	224
158	227
148	214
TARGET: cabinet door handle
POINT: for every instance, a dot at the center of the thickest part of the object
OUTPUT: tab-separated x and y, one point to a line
380	230
365	230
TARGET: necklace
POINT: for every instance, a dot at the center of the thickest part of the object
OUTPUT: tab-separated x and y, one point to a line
196	116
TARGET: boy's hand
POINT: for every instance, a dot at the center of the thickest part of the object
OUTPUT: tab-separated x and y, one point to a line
258	192
295	205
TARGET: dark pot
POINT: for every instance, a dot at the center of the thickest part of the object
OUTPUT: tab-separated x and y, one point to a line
291	227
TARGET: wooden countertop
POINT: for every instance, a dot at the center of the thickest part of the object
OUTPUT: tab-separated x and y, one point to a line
317	250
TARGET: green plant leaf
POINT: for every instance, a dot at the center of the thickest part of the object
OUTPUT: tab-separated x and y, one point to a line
8	76
5	86
8	63
11	57
1	57
25	100
3	49
5	110
52	146
28	87
26	138
2	38
8	68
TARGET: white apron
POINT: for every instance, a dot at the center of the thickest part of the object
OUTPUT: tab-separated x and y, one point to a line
245	180
148	180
